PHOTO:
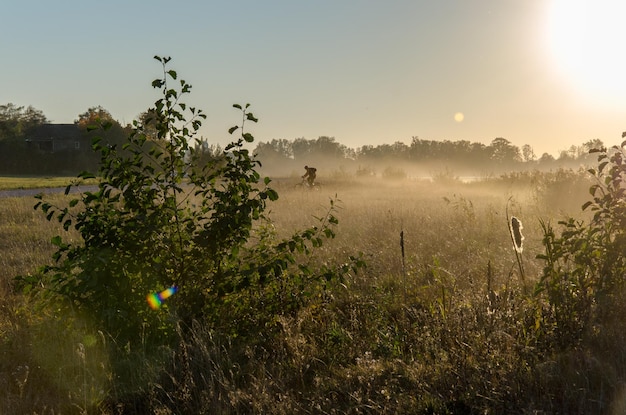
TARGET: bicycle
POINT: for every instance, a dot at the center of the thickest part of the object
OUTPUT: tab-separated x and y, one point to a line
305	185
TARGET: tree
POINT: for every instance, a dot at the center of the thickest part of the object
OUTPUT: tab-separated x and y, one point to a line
502	151
94	116
528	154
90	120
16	121
327	147
15	124
301	148
588	148
595	144
275	149
148	122
546	158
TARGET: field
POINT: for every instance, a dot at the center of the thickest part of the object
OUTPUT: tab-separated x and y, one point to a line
18	182
443	324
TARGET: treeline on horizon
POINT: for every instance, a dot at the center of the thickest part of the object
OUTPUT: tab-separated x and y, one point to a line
280	156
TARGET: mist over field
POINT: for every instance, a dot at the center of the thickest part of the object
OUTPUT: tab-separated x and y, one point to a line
375	325
432	277
395	283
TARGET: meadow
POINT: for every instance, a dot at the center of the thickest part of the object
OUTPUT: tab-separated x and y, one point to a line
37	182
445	323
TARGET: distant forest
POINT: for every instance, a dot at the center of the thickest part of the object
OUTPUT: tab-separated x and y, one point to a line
27	148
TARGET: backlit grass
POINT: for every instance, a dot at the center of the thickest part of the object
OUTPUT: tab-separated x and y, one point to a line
451	332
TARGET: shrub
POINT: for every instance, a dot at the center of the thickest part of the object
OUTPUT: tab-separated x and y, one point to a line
394	173
159	220
583	277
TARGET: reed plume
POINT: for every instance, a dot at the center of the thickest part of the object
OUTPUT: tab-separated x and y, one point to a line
516	234
515	230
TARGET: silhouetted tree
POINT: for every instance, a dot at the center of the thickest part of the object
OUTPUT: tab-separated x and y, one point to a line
528	154
502	151
148	121
274	149
16	121
327	147
95	117
546	158
301	148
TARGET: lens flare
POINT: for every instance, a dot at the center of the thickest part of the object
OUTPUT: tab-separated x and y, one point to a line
155	300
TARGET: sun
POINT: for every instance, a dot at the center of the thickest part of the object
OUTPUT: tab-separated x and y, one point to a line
586	40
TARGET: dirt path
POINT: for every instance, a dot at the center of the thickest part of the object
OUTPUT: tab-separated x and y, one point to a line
49	190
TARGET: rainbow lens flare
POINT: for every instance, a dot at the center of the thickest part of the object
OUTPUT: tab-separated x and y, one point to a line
155	300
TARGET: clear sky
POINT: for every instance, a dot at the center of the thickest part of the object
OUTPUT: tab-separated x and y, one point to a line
549	73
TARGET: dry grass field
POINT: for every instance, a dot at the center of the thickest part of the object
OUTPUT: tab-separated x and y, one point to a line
413	334
17	182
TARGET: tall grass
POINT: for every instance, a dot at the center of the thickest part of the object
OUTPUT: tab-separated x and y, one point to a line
24	239
444	329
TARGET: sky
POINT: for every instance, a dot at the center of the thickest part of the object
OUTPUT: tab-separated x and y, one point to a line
548	73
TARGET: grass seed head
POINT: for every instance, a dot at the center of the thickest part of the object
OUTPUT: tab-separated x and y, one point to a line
516	232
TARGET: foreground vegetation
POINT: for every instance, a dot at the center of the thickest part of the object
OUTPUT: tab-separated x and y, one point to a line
447	329
367	296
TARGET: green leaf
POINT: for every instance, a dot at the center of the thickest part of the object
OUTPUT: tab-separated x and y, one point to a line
86	175
248	137
172	73
232	129
237	106
273	195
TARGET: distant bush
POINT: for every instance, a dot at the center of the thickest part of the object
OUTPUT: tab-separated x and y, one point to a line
445	178
394	173
365	171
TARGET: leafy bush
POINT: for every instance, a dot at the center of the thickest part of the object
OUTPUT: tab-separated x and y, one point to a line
160	220
585	267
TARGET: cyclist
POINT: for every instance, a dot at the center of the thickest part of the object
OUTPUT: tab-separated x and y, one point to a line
310	175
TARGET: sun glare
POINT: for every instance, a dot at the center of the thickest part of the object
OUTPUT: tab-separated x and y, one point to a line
586	40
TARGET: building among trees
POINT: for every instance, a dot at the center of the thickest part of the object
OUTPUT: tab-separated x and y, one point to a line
52	138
